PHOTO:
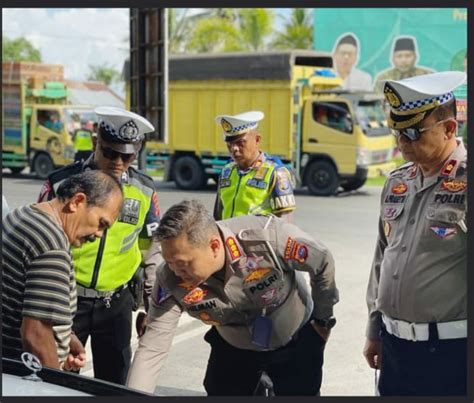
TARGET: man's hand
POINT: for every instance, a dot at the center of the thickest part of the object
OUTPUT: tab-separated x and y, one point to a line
372	353
76	358
140	323
322	331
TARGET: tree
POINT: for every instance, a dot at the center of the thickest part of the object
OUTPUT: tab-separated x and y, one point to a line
297	32
255	26
19	49
104	73
214	34
226	30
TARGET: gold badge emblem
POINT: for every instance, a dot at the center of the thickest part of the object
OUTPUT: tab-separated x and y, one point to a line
233	248
454	185
399	189
195	296
386	228
392	97
226	125
256	275
261	172
448	167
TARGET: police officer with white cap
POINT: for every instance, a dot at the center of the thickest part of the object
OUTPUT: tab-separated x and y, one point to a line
417	292
254	182
105	267
243	277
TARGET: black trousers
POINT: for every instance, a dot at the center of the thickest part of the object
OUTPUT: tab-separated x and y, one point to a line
110	330
295	369
423	368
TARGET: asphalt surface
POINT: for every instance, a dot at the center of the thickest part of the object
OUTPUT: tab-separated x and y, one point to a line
345	223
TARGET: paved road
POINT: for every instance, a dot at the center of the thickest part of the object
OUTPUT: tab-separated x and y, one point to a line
346	223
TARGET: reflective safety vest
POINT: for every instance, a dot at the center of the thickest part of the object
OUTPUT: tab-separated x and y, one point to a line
83	140
253	191
110	261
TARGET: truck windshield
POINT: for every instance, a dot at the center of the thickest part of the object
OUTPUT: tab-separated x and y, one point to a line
372	118
74	117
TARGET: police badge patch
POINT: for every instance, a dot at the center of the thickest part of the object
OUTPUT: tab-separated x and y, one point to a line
130	211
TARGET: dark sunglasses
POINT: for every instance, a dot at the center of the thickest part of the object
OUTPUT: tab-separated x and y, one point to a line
111	154
413	133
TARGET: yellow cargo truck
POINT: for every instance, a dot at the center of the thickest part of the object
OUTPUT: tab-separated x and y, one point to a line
37	122
330	137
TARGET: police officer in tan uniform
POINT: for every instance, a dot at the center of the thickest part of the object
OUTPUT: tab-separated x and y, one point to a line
417	292
243	277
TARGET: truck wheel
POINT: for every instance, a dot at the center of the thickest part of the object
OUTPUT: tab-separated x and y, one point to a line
322	178
43	166
353	184
189	174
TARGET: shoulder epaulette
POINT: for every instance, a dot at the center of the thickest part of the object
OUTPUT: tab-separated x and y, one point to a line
62	173
401	169
142	177
275	160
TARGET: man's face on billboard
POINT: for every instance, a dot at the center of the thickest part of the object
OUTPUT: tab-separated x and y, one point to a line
345	57
404	60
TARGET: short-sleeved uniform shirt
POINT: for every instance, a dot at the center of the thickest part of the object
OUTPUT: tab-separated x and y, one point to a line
419	269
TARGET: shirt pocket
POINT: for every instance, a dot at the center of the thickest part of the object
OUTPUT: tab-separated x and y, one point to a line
446	222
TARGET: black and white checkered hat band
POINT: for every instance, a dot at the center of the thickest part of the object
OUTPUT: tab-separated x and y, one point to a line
407	106
127	133
243	127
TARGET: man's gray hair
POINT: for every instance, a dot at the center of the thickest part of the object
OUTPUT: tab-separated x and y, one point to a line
189	217
97	185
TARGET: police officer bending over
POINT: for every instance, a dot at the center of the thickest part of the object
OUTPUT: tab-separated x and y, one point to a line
243	277
105	267
417	290
254	182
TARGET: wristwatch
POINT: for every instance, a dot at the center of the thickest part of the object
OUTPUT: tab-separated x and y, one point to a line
327	323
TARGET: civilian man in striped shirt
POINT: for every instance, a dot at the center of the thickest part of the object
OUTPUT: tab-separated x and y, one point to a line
39	287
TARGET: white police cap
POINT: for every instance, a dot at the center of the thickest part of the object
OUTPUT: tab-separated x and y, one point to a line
124	130
239	124
410	99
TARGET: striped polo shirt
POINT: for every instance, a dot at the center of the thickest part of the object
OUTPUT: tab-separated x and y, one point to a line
37	278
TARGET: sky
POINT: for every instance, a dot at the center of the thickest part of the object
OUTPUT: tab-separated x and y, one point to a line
78	37
75	38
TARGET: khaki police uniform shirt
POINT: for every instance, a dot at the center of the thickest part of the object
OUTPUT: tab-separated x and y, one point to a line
265	258
419	269
395	74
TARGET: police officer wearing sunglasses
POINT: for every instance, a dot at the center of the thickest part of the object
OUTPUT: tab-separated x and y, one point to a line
105	267
417	292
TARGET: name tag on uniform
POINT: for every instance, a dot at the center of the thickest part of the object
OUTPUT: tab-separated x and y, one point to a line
262	331
130	211
257	183
223	183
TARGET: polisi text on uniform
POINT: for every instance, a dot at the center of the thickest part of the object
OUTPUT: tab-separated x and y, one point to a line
264	284
449	198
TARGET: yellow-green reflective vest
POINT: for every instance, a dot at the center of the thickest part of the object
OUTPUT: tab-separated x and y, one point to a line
108	266
246	193
83	140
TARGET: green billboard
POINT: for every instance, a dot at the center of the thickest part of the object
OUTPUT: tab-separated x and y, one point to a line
393	43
